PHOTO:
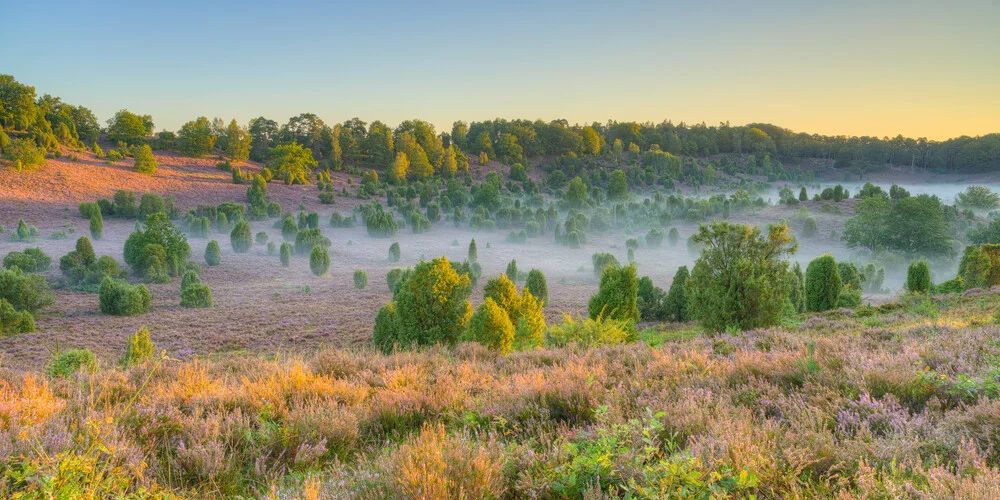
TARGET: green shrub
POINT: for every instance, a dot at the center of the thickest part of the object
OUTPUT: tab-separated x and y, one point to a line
490	325
394	253
797	288
616	296
430	306
67	363
123	299
823	284
13	322
740	279
196	295
573	239
213	254
378	222
31	260
190	277
241	238
145	163
138	348
673	236
602	261
286	254
392	278
157	230
473	252
151	203
809	227
289	228
918	277
360	279
88	209
676	301
537	285
590	332
96	225
512	270
24	154
319	260
261	238
24	232
26	292
306	239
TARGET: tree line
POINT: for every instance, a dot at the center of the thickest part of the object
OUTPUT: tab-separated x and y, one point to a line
424	150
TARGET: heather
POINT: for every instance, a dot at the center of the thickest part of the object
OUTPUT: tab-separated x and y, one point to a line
891	401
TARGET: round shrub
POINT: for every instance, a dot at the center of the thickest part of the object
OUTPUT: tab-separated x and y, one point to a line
26	292
392	278
602	261
537	285
261	238
809	228
67	363
122	299
289	228
573	239
360	279
319	260
394	253
286	254
240	237
138	349
823	284
673	236
616	296
189	278
387	329
13	322
31	260
491	326
213	254
197	295
918	277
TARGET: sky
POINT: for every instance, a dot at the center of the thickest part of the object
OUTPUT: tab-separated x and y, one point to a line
920	69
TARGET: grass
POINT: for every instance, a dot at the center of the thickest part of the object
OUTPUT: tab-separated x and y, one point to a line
875	404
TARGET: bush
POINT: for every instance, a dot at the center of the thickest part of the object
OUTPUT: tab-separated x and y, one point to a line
289	228
31	260
26	292
918	277
430	306
654	238
490	325
138	348
157	231
261	238
241	238
319	260
196	295
145	163
88	209
823	284
537	285
13	322
512	270
122	299
360	279
96	225
602	261
23	232
676	301
392	279
213	254
523	310
306	239
590	332
24	154
616	297
286	254
809	228
151	203
473	252
378	222
67	363
394	252
739	281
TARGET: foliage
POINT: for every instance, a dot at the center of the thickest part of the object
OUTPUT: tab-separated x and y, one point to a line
25	291
978	197
157	230
285	254
616	296
213	254
96	225
241	237
291	162
490	325
119	298
823	284
378	222
590	332
23	154
430	306
319	260
676	303
145	163
360	279
602	261
12	321
31	260
138	349
394	252
911	226
196	138
66	363
537	285
918	277
739	281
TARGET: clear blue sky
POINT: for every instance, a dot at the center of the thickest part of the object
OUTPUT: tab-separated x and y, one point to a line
918	68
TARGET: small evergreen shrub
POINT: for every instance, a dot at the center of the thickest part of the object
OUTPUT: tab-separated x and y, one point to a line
119	298
13	322
823	284
213	254
31	260
537	285
491	326
360	279
617	294
392	278
918	277
241	238
602	261
138	348
394	253
307	239
319	260
66	363
511	271
286	254
96	225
